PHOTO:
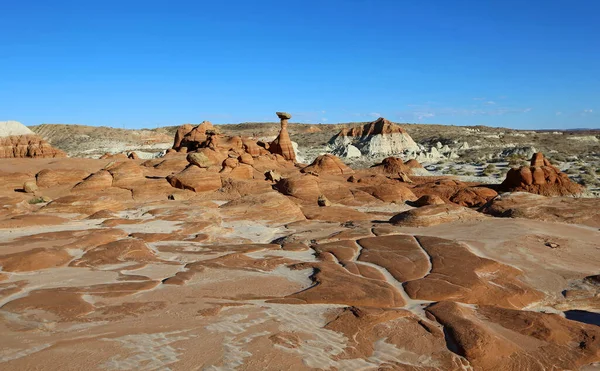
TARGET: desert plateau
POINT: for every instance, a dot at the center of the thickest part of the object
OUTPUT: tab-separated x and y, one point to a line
282	246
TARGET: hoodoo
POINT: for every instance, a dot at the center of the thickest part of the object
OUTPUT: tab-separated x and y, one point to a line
282	145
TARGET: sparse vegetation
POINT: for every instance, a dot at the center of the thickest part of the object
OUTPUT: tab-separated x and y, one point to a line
37	200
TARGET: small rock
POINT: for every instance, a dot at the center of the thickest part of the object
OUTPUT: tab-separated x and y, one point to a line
404	178
199	159
552	245
273	176
231	162
283	115
30	186
323	201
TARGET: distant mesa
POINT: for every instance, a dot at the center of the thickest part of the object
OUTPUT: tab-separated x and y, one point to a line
380	138
17	141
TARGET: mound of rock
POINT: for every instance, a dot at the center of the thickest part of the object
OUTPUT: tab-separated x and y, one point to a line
584	211
393	165
16	140
376	139
189	138
328	164
540	178
435	214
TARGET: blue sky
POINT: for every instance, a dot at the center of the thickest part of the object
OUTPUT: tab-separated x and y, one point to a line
521	64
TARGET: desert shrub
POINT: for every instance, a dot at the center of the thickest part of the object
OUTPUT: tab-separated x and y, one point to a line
489	170
37	200
588	180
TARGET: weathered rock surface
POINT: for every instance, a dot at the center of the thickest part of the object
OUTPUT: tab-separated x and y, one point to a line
540	178
16	140
195	179
282	145
435	214
377	139
585	211
328	164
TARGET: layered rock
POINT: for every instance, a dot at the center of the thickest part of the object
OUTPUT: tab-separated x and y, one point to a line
585	211
188	138
540	178
328	164
435	214
379	138
282	145
16	140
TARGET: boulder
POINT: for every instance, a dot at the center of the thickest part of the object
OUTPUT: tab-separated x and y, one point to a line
392	165
54	177
395	192
199	159
126	174
327	164
273	176
246	158
99	180
435	214
473	196
323	201
182	131
195	179
30	186
426	200
305	187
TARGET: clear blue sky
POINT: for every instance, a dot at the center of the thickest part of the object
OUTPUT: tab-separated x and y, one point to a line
522	64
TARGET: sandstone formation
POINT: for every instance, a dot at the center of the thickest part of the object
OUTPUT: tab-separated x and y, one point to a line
16	140
282	145
327	164
224	255
428	200
435	214
540	178
379	138
585	211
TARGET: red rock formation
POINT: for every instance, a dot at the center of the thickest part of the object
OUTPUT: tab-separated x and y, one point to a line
192	139
473	196
429	200
16	140
379	126
435	214
282	145
328	164
585	211
182	131
393	165
540	178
